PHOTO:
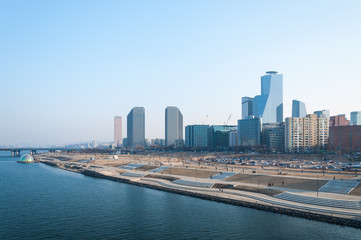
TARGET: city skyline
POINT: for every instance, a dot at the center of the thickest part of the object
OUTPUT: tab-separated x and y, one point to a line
80	71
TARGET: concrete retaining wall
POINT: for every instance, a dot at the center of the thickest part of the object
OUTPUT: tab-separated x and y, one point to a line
259	206
275	209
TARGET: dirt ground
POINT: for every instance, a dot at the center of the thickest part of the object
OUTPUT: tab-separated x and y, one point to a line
356	191
190	172
110	162
147	167
169	178
291	172
286	182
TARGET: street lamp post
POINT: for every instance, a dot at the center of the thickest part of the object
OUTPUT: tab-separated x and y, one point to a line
317	185
196	174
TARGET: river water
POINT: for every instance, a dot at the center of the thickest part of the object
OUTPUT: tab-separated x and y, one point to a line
42	202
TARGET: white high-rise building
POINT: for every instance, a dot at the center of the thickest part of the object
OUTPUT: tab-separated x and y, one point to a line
118	134
173	127
308	134
233	138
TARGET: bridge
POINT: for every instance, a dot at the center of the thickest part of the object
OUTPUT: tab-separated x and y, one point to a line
16	152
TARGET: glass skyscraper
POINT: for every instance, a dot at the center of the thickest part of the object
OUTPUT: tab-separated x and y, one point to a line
355	118
136	127
197	136
249	131
173	127
268	105
298	109
247	109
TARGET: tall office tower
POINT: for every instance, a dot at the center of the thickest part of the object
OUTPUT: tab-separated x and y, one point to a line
136	127
197	136
268	105
298	109
323	113
173	127
355	118
233	138
339	120
249	131
273	136
118	138
308	134
247	109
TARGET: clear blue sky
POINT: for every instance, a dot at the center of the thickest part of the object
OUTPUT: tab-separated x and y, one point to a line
68	67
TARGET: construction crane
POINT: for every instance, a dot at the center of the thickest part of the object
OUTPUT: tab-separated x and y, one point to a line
226	123
205	120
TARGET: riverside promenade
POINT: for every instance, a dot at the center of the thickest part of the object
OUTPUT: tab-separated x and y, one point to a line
328	207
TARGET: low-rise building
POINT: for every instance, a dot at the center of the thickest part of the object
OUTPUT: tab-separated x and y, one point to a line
157	142
339	120
344	139
273	137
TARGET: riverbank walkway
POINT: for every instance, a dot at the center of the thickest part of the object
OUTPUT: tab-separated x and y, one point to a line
332	204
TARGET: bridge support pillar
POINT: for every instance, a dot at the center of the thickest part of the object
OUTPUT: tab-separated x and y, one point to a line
15	153
33	152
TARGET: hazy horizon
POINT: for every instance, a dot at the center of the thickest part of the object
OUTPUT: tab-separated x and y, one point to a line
68	67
